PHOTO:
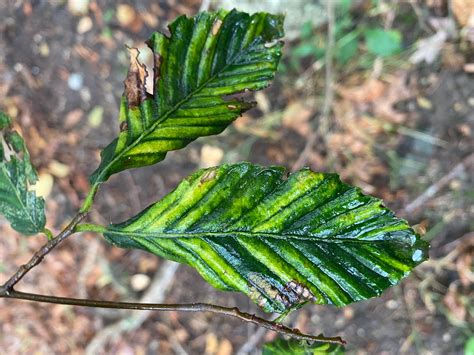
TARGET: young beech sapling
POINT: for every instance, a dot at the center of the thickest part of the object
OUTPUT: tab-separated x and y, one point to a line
283	240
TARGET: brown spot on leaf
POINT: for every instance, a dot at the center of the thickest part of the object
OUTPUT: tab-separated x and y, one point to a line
208	175
135	90
216	27
300	291
260	289
292	294
262	301
123	126
282	298
156	70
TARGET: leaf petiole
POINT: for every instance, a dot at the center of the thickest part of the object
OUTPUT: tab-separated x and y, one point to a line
89	200
90	227
48	233
283	316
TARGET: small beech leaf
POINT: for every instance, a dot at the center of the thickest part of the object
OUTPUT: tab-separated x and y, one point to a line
205	59
18	203
282	241
300	347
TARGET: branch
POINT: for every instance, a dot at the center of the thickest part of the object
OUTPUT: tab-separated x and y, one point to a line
190	307
39	255
156	293
328	93
458	170
252	342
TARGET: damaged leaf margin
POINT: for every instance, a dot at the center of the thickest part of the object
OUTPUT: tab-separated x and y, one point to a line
135	83
205	59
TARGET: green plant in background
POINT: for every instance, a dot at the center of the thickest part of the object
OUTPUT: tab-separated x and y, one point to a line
469	346
283	240
353	38
382	42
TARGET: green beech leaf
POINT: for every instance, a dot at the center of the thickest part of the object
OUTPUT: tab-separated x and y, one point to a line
298	347
282	241
206	57
383	42
18	203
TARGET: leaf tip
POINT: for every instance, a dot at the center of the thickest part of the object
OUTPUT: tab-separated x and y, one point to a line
421	250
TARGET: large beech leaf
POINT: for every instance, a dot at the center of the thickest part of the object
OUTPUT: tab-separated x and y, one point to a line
18	204
282	241
300	347
205	58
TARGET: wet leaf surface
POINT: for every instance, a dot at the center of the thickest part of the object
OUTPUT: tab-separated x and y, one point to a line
282	241
205	58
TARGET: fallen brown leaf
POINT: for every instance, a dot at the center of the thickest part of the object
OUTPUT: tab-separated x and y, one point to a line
225	347
368	92
462	10
452	301
129	18
297	116
211	155
73	118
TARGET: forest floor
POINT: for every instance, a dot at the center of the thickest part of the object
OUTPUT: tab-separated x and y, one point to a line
397	129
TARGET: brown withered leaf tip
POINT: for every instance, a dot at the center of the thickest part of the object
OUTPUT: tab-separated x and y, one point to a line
156	68
135	90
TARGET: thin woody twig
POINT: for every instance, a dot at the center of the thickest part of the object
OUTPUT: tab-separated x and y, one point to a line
252	342
205	5
156	293
324	118
329	89
186	307
436	187
7	288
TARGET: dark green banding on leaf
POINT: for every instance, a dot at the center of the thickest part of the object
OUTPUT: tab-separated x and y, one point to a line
301	347
205	58
282	241
18	202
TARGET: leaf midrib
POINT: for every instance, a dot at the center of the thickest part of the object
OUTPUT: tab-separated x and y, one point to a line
230	234
165	116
